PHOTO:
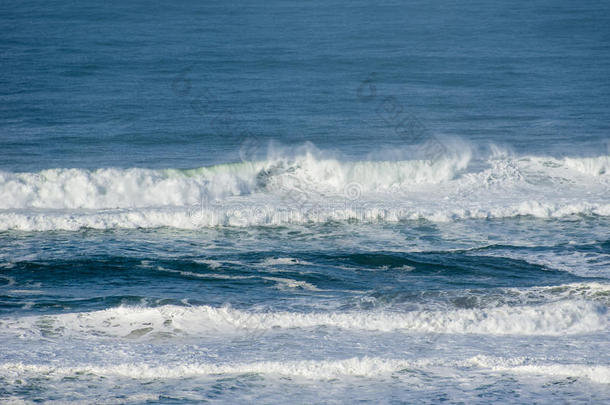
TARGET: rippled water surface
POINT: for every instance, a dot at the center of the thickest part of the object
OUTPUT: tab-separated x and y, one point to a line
304	202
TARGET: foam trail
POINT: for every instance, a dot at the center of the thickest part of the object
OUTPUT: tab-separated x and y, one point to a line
306	368
281	282
236	214
596	373
371	367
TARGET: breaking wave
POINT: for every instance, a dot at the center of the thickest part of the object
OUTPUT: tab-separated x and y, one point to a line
305	189
309	369
557	318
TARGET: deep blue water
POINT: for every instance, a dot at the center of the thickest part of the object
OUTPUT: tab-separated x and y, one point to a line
86	85
306	202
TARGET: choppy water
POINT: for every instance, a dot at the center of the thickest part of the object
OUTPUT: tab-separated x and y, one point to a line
305	202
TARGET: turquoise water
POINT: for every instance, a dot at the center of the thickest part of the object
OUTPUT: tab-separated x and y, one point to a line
311	202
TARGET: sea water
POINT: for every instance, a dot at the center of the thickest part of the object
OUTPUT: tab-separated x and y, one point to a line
305	202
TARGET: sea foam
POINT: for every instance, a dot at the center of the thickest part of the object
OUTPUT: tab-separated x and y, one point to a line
556	318
310	369
304	189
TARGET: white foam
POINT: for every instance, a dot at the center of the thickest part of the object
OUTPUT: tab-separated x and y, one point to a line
314	369
288	283
137	188
284	261
556	318
596	373
213	264
26	292
266	215
590	291
281	282
302	190
310	369
596	166
206	275
123	188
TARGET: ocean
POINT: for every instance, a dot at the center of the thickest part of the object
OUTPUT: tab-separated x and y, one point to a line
379	202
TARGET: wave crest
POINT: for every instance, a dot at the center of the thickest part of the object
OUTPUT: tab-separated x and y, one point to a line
305	189
557	318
